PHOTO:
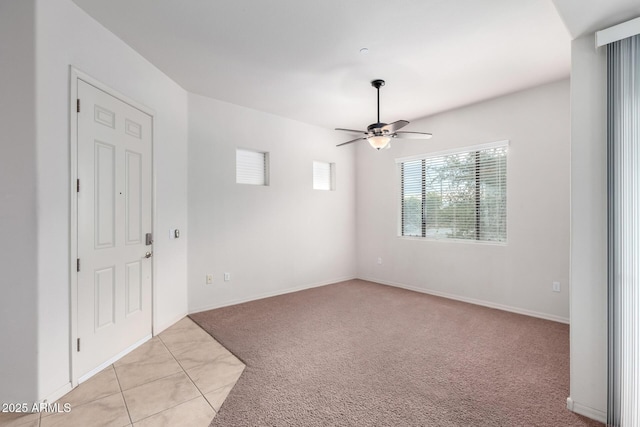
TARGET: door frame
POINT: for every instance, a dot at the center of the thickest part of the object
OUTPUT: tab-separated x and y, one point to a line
74	76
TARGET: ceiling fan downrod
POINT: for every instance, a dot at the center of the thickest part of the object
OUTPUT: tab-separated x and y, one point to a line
378	84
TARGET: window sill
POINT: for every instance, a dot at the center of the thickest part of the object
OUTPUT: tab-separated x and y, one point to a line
444	240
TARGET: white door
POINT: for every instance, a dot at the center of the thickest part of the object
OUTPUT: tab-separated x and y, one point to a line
114	215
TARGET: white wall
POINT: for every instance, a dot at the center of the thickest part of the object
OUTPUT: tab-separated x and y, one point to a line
588	228
68	36
273	238
18	221
516	276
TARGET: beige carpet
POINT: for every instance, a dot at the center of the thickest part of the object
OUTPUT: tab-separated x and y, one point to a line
362	354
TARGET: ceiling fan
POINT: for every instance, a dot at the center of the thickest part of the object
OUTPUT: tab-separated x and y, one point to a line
380	134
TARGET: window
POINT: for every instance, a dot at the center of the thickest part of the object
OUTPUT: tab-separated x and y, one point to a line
323	176
456	195
252	167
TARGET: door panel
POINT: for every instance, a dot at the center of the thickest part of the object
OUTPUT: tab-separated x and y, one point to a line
133	210
114	214
133	287
105	204
105	289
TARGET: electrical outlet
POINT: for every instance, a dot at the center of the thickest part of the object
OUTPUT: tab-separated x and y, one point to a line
556	286
227	277
379	261
209	279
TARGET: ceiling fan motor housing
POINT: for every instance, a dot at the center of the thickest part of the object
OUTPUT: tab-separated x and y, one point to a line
376	129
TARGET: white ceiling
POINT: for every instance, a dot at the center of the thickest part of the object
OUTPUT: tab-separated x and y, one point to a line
587	16
302	60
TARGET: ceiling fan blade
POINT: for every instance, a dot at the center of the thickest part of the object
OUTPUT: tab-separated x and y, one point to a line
349	142
353	131
392	127
412	135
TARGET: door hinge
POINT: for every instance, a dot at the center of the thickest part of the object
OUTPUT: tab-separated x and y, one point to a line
78	186
78	105
78	264
78	344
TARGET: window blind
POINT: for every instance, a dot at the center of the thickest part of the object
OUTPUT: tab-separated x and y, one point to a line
323	175
459	195
623	170
251	167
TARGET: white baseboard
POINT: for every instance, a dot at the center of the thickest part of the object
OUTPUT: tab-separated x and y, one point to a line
268	294
587	411
113	359
472	301
57	394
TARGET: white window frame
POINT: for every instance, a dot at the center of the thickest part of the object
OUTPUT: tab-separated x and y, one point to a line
266	166
426	156
332	175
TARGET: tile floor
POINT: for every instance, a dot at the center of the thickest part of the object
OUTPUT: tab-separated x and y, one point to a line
178	378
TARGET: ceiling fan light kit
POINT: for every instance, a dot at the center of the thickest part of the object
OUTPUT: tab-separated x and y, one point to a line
379	142
379	134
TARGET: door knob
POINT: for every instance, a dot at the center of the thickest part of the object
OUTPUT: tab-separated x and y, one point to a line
148	255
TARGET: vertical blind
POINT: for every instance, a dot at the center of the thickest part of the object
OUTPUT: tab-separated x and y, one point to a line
623	170
322	175
251	167
461	195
